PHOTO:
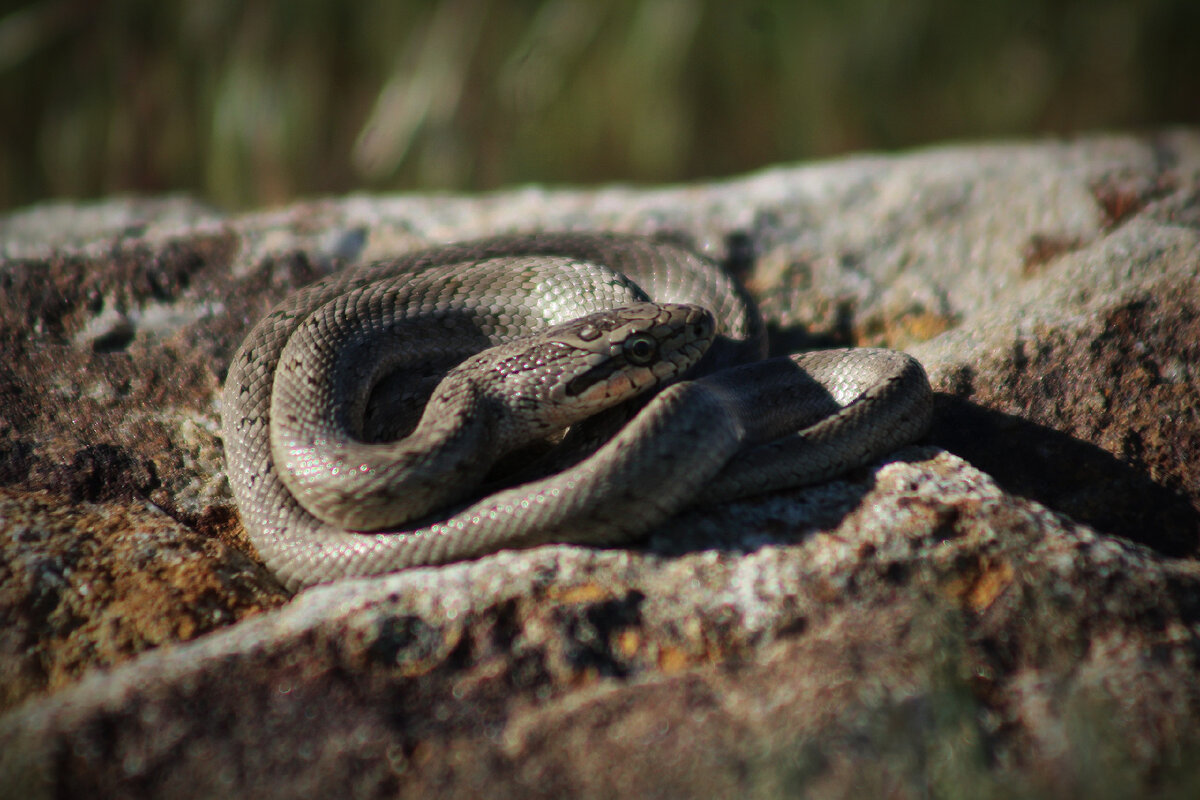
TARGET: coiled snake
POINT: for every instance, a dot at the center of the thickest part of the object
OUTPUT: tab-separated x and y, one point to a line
333	479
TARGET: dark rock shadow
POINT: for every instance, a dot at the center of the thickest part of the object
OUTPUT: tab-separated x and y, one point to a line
723	528
1064	473
1069	475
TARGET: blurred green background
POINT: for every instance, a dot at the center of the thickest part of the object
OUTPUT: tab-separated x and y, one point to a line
254	103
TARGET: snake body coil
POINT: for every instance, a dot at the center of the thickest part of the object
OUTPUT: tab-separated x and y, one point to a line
505	343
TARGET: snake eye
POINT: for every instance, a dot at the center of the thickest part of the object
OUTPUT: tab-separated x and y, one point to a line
640	349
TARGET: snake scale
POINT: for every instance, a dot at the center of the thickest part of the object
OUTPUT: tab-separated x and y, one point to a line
505	343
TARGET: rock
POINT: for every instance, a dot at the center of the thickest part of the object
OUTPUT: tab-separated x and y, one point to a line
1009	608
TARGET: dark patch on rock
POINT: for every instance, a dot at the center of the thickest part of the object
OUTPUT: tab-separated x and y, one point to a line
590	631
1123	194
1045	247
408	643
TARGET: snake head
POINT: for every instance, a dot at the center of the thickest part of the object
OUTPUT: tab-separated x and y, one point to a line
569	372
626	351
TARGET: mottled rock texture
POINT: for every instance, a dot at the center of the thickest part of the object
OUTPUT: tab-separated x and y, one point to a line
1011	608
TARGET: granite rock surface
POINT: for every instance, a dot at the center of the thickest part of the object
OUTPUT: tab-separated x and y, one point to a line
1009	608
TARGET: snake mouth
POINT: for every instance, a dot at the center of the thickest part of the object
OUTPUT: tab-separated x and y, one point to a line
596	375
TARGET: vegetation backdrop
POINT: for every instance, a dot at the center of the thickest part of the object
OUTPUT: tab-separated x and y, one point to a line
254	102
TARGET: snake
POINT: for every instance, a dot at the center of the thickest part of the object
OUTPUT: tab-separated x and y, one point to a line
527	389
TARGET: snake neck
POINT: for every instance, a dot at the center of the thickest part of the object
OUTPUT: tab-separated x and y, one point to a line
368	486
